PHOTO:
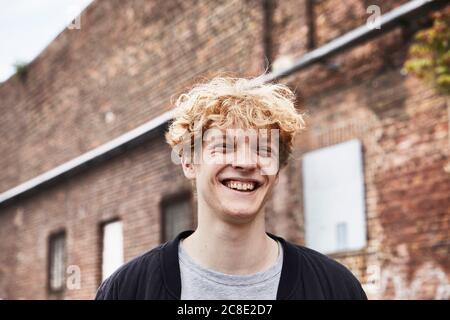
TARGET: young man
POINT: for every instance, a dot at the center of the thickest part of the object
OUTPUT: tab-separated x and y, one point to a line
233	136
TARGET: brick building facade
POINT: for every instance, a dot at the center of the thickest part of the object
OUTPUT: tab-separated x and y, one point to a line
121	69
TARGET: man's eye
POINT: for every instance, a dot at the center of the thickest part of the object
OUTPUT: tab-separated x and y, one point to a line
264	150
224	147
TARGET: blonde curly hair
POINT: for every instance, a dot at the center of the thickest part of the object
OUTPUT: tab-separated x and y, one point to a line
228	102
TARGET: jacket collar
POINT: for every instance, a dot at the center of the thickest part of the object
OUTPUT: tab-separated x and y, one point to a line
290	272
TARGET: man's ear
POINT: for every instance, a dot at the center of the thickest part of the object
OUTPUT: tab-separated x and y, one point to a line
188	168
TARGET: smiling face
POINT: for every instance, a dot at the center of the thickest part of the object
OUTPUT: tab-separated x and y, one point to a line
233	180
236	173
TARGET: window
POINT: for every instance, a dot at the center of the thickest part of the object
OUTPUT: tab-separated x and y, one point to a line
176	216
112	253
333	187
57	261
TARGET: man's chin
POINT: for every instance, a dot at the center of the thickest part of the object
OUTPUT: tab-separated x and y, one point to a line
240	215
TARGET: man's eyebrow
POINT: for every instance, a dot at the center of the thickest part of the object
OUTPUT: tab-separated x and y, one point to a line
215	139
266	140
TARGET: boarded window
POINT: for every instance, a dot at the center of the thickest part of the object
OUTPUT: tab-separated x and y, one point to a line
177	216
333	186
57	261
112	255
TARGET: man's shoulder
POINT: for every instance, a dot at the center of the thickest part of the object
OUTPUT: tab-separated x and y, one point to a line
126	278
145	262
324	261
333	276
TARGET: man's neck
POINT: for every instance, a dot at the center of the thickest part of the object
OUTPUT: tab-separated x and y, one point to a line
232	249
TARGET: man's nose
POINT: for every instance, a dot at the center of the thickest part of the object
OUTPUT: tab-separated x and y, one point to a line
244	158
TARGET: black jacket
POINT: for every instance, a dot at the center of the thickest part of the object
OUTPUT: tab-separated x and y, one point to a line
306	274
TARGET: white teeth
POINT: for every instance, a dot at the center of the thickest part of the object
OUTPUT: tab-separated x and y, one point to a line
240	185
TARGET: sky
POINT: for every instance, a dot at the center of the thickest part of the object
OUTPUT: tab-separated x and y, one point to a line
28	26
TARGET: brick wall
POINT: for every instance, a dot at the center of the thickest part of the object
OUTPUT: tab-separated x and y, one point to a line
363	93
128	58
131	57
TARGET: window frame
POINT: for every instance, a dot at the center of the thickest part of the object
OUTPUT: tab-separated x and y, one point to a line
101	233
168	199
51	239
349	248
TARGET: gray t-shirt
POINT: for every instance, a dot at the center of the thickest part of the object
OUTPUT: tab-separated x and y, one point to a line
198	282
